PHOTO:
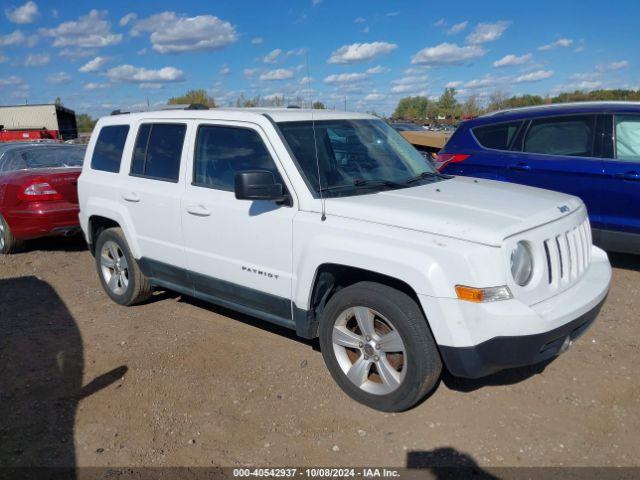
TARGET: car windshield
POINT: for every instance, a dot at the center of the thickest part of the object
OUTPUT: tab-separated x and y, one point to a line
42	157
355	157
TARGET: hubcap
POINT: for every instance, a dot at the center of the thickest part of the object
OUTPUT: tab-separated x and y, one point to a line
369	350
115	269
1	236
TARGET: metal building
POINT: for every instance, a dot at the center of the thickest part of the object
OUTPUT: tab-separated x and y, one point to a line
58	121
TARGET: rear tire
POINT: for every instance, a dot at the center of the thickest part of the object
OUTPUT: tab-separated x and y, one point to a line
389	365
8	243
118	271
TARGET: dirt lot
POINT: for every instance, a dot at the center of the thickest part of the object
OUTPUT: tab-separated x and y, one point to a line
179	383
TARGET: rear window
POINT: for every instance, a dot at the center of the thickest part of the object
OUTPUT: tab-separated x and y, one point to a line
107	153
158	150
497	137
568	136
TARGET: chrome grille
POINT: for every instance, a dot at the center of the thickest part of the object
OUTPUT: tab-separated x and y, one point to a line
568	254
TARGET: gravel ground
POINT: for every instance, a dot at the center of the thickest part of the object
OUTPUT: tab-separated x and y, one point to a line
177	382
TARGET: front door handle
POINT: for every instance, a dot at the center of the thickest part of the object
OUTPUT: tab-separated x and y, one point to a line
520	166
198	210
629	176
131	197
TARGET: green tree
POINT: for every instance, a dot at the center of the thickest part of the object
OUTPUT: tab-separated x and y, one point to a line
193	96
412	109
317	105
85	123
448	105
471	107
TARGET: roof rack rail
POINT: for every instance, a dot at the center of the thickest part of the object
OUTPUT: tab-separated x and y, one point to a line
189	106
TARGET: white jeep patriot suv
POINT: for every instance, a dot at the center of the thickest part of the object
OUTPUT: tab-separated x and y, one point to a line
331	224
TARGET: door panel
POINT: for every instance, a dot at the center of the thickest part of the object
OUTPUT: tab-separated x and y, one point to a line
238	250
153	194
622	176
559	154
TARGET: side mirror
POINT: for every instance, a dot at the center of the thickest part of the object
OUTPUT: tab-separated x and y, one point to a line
259	185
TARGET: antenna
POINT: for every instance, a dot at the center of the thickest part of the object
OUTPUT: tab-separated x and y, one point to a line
315	146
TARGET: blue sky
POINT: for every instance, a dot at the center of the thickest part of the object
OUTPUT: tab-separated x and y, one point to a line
98	56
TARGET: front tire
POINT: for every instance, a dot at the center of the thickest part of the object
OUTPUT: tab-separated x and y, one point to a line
378	347
118	271
8	243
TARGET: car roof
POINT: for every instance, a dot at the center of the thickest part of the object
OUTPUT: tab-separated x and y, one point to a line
554	109
240	114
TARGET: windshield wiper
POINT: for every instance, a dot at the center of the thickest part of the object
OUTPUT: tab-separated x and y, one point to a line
360	183
423	175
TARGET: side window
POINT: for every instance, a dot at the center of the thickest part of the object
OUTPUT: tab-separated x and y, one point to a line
628	138
497	137
571	136
107	153
158	150
223	151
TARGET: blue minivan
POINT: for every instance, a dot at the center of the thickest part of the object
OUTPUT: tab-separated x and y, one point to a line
590	149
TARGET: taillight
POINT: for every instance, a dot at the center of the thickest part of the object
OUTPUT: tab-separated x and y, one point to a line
443	159
38	190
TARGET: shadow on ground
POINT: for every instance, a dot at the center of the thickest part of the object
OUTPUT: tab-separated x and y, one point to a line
75	243
41	370
447	463
625	261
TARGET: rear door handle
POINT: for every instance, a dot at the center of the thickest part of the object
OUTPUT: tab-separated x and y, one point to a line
520	166
198	210
629	176
131	197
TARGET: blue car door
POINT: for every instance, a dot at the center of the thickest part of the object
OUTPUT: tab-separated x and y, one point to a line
561	153
621	201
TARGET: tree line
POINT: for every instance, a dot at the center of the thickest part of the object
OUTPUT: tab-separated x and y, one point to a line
447	108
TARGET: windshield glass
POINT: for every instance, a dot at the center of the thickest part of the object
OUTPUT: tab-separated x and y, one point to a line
44	157
355	157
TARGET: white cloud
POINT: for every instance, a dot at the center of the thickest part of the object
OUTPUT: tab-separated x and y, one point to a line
359	20
534	76
585	85
250	72
11	80
487	32
36	60
483	82
511	60
306	80
358	52
619	65
60	77
374	97
93	65
272	56
224	70
95	86
131	74
409	84
393	14
171	33
440	23
257	40
316	2
296	52
26	13
338	78
17	38
447	54
3	58
76	53
277	74
562	42
377	69
128	18
457	28
454	84
89	31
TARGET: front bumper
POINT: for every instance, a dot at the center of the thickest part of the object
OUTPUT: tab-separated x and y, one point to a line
477	339
43	219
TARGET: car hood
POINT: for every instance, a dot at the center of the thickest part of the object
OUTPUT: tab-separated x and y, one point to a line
476	210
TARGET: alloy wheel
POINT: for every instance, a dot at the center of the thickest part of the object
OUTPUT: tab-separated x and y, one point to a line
114	266
369	350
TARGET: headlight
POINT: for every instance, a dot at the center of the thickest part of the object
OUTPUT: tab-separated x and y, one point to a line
521	264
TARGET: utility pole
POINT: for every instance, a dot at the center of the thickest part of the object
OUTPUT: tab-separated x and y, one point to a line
345	103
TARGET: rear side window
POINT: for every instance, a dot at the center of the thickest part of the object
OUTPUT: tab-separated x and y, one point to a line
158	150
497	137
628	138
107	153
221	152
570	136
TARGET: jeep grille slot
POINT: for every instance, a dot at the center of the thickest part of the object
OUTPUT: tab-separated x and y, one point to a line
568	255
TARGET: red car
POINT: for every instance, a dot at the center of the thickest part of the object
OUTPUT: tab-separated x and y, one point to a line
38	191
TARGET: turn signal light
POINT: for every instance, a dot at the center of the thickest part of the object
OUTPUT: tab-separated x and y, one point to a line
480	295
